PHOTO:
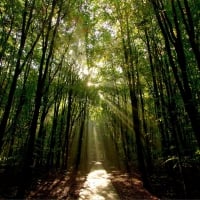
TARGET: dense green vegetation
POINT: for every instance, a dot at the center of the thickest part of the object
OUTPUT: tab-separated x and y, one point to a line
131	66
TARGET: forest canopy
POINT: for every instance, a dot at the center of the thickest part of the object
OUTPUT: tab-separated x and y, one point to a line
132	67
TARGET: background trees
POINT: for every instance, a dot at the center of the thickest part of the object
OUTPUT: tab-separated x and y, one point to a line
136	62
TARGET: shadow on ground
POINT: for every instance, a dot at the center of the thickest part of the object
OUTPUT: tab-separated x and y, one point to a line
62	185
129	188
97	185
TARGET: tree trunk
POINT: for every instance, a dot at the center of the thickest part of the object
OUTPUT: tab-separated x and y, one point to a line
67	130
182	82
18	67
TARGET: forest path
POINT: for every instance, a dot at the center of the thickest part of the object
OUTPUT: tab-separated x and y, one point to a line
98	185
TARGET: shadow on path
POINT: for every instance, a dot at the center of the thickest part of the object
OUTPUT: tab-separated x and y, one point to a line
130	187
62	185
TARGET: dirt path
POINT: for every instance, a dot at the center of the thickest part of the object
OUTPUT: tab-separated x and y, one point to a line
130	188
98	185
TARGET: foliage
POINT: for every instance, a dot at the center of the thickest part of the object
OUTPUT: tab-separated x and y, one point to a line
133	66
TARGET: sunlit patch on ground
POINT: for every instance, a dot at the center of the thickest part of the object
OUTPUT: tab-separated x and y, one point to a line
98	185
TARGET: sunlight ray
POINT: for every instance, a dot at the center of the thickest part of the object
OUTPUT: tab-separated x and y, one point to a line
98	185
124	118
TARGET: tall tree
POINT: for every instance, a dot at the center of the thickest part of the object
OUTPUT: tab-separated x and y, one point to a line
26	21
176	38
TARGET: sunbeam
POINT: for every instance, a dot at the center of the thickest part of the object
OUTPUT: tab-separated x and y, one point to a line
125	119
98	185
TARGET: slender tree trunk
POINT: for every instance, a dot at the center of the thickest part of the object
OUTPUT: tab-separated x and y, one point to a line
67	130
20	105
139	145
51	154
43	72
182	82
164	138
41	133
18	68
80	139
190	28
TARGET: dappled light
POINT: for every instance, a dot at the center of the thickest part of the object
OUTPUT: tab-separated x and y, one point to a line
131	186
58	187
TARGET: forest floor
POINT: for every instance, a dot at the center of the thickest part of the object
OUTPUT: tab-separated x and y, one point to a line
105	184
73	186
